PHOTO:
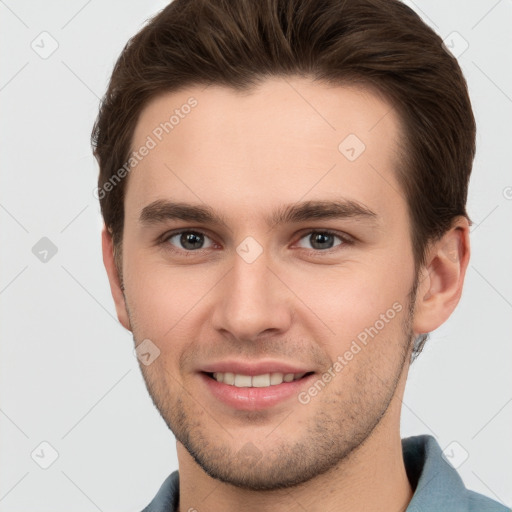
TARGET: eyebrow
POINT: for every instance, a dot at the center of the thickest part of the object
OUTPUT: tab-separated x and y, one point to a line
161	210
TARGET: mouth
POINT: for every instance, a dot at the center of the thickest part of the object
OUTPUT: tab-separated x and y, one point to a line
259	391
256	381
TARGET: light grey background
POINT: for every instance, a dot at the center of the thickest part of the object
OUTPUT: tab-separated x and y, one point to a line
68	375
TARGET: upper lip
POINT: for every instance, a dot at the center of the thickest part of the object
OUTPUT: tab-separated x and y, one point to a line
254	368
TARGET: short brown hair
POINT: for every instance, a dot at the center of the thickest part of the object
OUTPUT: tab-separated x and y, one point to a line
380	44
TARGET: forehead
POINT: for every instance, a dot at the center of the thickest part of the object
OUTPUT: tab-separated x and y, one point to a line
286	140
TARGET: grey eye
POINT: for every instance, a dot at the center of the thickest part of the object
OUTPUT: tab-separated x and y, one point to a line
320	240
190	240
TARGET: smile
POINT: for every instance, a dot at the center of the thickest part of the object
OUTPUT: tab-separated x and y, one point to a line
255	381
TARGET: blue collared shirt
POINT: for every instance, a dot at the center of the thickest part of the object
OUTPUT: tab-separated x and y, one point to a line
437	485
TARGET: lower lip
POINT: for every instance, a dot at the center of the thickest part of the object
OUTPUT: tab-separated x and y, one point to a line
251	399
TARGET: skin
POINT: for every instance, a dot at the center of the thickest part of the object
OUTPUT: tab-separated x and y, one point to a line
244	155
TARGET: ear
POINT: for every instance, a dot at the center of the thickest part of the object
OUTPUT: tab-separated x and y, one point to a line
113	277
441	281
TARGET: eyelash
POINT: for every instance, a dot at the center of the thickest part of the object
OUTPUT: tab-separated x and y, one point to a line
345	239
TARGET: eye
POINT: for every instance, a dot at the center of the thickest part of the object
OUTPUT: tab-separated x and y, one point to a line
189	240
322	240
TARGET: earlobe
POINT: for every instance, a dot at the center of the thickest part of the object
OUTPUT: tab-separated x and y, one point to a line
113	277
441	282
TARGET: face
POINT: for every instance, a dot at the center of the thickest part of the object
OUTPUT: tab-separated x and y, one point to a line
267	257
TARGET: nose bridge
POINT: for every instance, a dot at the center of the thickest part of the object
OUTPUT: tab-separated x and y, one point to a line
253	299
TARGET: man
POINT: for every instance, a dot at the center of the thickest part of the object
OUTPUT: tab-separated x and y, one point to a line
283	185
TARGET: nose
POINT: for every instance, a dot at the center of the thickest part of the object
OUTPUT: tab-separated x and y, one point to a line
253	301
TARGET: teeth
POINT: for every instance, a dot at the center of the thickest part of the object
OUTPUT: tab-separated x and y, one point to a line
243	381
261	381
256	381
229	378
276	378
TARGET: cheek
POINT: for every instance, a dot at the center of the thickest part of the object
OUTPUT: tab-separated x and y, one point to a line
162	298
333	303
340	304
